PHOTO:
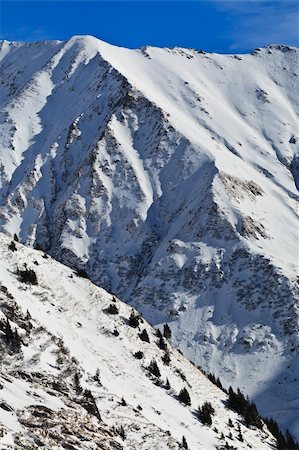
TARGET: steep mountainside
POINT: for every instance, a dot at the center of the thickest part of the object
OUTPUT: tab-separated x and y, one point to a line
170	176
69	378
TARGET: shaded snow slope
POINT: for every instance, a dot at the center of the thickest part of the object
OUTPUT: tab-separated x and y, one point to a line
65	330
170	175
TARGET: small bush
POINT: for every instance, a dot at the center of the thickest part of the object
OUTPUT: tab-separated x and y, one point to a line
138	355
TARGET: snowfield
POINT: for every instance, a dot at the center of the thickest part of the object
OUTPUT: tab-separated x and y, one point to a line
66	329
171	176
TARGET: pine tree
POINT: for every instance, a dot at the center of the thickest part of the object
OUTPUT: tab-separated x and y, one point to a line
121	432
77	384
112	309
184	443
184	397
166	331
123	402
16	342
12	246
205	413
154	369
166	358
134	319
97	376
252	417
167	384
240	436
144	335
158	333
90	405
8	332
230	423
162	344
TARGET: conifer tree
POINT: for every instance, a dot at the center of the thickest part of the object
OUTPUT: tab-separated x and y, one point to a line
77	384
154	369
166	358
184	443
184	397
144	335
205	413
134	319
167	384
166	331
112	309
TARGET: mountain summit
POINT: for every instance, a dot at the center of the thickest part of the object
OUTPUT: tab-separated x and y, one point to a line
170	176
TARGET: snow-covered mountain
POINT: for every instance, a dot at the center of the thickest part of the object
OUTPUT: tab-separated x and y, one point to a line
73	379
170	176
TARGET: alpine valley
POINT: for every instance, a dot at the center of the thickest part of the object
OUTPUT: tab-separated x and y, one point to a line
169	177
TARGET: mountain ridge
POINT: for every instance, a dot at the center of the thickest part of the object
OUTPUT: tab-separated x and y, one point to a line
167	174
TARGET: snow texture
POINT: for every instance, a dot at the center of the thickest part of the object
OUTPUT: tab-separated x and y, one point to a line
171	176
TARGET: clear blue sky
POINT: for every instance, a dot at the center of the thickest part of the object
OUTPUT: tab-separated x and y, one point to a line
212	25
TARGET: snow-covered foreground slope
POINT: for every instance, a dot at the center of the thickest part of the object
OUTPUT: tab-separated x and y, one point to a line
66	330
169	175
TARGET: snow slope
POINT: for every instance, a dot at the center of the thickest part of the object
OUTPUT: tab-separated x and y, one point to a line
170	175
65	329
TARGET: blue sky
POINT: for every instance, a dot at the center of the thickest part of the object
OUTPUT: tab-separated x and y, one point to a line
213	25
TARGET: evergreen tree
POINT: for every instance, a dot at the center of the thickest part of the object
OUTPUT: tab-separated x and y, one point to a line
184	397
121	432
144	335
166	331
240	436
77	384
252	417
134	319
97	376
166	358
162	344
112	309
154	369
184	443
16	342
158	333
123	402
167	384
8	332
205	413
15	238
12	246
90	405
